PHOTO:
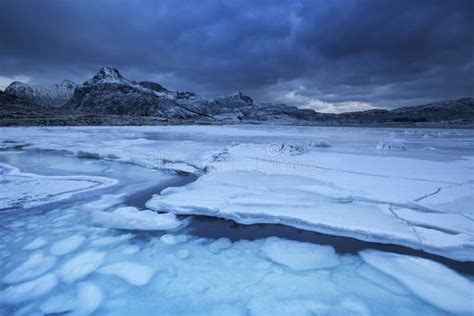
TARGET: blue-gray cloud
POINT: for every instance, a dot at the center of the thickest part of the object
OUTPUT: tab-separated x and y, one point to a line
315	53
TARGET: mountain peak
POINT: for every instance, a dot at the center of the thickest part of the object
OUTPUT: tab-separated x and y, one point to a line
66	83
241	96
16	83
106	75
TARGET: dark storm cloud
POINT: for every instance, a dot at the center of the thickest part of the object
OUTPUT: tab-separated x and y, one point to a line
327	55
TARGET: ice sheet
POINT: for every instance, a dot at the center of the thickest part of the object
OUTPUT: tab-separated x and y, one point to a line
418	198
429	280
303	202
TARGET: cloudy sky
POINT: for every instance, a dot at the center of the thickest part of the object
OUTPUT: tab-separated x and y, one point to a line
331	56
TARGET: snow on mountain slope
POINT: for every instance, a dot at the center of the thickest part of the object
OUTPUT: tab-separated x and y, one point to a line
109	93
55	95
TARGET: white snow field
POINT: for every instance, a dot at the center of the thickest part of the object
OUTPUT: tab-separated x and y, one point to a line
101	221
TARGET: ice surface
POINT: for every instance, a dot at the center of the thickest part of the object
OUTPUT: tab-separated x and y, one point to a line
452	199
28	190
133	219
303	202
220	244
80	266
391	145
89	298
130	250
58	304
35	266
300	256
29	290
427	279
417	198
134	273
67	245
169	239
319	143
183	254
109	240
456	223
36	243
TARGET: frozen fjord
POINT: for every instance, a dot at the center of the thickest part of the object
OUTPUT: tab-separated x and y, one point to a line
249	175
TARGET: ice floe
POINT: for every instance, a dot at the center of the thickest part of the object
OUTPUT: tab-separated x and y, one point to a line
29	290
29	190
131	218
36	243
427	279
36	265
109	240
417	198
67	245
89	298
302	202
300	256
391	146
219	245
80	266
134	273
61	303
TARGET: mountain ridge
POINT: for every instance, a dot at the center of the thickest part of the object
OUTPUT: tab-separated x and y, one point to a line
109	93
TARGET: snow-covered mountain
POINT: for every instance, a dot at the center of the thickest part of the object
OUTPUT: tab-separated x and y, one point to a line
460	110
239	107
54	95
109	93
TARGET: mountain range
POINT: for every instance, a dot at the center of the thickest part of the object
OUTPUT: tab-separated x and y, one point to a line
110	99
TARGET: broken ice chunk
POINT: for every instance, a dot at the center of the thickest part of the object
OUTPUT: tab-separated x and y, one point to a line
220	244
134	273
429	280
67	245
35	266
109	240
133	219
319	143
80	266
169	239
89	298
58	304
391	146
29	290
299	255
35	244
182	254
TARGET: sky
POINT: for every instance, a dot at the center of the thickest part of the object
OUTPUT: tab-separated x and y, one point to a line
327	55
